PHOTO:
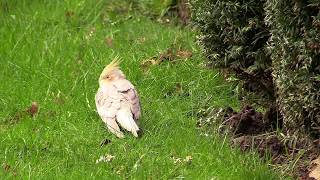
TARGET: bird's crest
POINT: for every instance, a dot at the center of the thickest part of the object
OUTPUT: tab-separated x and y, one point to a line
114	65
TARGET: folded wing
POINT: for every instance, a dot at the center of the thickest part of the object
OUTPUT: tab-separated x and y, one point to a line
129	93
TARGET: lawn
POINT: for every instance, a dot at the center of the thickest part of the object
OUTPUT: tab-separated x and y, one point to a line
52	53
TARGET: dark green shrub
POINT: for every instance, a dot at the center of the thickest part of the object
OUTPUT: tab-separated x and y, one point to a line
234	36
295	47
254	38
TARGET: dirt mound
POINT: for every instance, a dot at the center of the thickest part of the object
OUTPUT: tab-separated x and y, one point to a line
265	145
252	130
250	122
247	121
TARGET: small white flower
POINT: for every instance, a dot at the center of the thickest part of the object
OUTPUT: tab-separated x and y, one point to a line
107	158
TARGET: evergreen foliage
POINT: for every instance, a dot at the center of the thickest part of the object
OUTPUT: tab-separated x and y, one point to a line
295	47
234	36
264	43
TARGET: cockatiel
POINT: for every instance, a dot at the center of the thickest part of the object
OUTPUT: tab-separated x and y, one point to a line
117	101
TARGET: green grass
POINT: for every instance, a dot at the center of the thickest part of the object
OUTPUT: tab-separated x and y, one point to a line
46	57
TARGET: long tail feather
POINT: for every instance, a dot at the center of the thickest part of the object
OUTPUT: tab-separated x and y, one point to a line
126	121
113	127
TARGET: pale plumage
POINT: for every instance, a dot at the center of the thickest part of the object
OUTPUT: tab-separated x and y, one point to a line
117	101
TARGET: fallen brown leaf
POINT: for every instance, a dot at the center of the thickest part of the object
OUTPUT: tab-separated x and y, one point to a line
6	167
145	65
178	88
33	110
167	55
17	116
170	54
69	13
109	41
184	54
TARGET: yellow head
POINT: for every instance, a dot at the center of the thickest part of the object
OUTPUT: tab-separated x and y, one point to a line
111	72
